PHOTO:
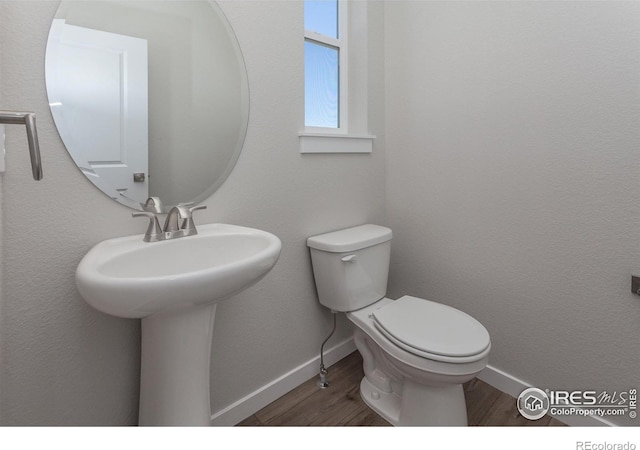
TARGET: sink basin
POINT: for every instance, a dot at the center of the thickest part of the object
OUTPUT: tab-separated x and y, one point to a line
126	277
174	286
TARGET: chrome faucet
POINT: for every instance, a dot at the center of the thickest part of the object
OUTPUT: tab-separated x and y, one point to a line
176	218
179	223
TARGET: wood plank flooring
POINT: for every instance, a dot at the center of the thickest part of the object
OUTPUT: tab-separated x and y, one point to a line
341	405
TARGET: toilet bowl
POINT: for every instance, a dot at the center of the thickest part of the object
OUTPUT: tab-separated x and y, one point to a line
416	353
404	382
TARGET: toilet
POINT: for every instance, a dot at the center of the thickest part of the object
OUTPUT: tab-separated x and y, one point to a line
416	353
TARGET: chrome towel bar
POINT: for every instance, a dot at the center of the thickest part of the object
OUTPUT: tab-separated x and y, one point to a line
28	119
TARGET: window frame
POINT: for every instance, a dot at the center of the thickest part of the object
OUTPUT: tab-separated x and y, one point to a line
343	139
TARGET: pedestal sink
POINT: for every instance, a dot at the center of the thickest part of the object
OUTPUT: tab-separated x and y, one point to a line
174	287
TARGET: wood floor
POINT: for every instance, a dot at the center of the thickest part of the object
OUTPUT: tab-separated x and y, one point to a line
341	405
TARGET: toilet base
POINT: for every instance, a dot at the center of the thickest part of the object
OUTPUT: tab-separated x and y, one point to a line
419	405
386	404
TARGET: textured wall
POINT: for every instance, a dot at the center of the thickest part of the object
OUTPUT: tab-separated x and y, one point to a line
64	363
512	189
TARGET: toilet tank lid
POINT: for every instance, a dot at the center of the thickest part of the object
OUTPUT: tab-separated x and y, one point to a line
350	239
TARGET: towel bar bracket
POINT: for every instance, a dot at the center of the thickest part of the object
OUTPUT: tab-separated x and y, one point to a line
28	119
2	152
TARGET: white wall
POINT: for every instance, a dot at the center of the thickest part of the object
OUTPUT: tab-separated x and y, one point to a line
64	363
513	150
511	171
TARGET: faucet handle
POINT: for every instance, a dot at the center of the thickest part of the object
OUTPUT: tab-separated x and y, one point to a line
154	231
190	227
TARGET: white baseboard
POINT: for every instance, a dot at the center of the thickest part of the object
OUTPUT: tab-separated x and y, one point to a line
514	386
255	401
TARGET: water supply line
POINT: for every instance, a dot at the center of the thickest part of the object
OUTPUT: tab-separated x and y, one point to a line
28	119
323	383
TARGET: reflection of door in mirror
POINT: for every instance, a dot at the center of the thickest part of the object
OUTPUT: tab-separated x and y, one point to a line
106	73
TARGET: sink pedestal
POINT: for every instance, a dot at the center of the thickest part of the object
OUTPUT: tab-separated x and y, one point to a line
175	367
174	286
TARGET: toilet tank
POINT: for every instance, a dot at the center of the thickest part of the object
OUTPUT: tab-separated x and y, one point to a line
351	266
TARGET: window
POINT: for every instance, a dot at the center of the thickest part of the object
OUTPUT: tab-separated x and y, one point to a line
328	73
324	64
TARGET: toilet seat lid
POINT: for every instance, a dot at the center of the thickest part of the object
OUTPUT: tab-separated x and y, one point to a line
426	328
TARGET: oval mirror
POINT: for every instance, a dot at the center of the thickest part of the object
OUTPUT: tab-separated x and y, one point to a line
150	98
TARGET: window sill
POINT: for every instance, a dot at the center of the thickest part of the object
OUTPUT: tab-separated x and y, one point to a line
335	143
